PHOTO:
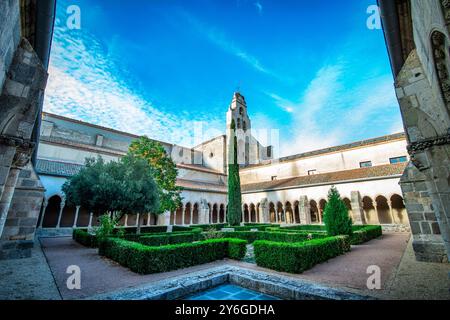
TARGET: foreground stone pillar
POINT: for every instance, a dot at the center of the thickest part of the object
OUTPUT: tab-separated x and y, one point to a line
304	210
357	208
8	192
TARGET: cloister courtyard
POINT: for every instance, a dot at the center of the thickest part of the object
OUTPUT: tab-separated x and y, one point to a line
44	276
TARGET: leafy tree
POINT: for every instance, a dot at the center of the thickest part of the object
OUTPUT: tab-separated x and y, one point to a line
165	172
234	214
336	218
122	187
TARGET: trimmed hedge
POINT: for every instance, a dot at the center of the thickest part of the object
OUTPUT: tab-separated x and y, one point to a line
216	227
362	234
83	237
298	257
150	229
308	227
251	236
146	260
169	238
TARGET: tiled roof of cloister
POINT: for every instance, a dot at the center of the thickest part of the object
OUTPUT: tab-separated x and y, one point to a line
328	178
57	168
202	186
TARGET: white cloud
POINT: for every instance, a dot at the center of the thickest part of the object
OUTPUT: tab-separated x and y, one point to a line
84	84
259	7
330	111
219	38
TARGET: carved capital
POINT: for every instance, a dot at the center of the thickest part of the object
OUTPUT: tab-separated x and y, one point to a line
22	157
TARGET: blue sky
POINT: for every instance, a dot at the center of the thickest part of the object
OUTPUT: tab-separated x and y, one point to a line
165	68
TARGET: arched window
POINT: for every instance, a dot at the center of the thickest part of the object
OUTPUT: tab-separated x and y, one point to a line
314	211
384	214
369	210
195	214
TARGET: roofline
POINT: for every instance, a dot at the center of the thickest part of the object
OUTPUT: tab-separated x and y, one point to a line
341	148
210	140
107	129
396	176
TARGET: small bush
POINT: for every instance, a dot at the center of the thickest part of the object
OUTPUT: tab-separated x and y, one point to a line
251	237
83	237
336	218
146	260
216	227
298	257
169	238
362	234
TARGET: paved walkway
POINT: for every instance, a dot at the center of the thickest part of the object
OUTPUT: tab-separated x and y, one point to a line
402	277
28	279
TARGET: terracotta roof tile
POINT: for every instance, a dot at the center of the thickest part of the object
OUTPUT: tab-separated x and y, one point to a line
331	177
57	168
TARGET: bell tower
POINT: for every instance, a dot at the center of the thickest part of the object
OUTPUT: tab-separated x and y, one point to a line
237	113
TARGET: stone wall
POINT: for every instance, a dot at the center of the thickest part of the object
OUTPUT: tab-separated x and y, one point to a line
23	78
9	35
423	91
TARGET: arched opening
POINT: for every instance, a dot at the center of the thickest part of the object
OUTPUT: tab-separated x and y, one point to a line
179	216
399	210
258	212
83	217
172	218
222	213
68	216
297	212
369	211
314	210
348	204
272	213
252	213
187	213
280	213
215	214
195	214
384	213
52	212
246	213
288	213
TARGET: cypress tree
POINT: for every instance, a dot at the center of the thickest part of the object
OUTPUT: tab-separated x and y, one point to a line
234	185
336	218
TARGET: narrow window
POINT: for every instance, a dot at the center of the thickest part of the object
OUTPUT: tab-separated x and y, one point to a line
365	164
398	160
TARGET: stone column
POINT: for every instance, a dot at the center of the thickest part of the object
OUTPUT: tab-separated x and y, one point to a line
149	215
304	210
8	192
44	207
77	211
183	213
375	204
163	219
61	209
138	216
391	212
264	211
91	216
203	212
125	224
357	208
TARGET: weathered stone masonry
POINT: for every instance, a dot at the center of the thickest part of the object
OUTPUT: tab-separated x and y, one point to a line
23	78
